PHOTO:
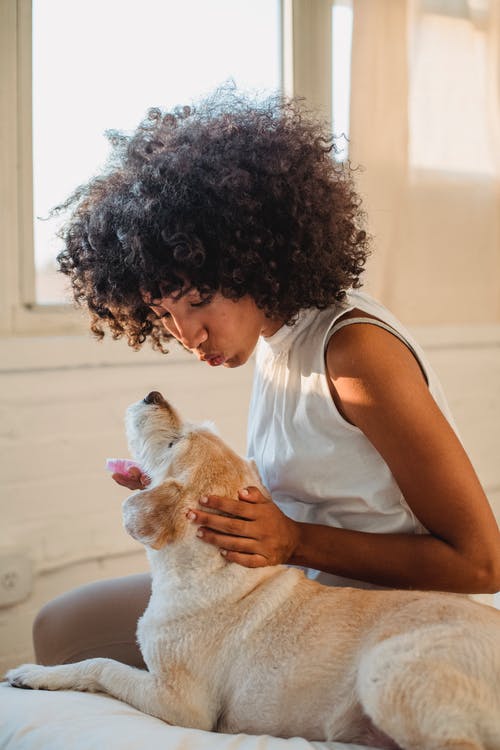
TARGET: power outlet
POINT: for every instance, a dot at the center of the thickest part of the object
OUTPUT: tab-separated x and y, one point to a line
16	578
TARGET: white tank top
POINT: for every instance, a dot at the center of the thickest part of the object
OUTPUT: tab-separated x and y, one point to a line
318	467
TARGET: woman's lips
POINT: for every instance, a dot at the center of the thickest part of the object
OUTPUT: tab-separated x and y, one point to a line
215	360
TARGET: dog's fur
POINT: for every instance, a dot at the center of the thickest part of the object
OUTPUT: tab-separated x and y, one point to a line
264	650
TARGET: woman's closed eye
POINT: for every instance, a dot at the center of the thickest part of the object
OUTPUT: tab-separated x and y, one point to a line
201	303
165	314
161	313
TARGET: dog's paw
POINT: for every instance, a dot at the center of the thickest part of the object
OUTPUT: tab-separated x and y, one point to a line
80	676
30	676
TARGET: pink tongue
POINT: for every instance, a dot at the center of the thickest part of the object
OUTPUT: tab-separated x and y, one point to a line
120	465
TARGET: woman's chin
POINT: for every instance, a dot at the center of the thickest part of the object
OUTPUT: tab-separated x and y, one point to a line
235	361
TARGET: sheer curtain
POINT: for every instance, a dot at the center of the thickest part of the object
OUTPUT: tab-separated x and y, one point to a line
425	129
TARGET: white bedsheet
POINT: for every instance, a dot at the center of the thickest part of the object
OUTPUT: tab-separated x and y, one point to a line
67	720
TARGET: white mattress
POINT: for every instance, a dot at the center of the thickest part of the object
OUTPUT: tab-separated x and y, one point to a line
66	720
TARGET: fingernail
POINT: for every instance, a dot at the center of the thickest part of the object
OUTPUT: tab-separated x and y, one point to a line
199	532
191	515
244	492
223	552
204	500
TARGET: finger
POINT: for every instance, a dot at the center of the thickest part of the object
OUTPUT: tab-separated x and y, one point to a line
248	561
228	543
228	505
252	495
223	524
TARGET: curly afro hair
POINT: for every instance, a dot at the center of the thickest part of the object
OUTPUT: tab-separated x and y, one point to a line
232	195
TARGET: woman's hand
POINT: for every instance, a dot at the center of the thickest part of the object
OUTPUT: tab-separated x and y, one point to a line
133	480
256	533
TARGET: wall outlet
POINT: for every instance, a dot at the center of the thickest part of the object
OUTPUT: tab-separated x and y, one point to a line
16	578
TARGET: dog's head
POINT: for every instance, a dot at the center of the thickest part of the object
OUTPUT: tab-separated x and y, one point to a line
153	428
185	462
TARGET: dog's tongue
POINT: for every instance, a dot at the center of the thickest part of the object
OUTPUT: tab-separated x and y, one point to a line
120	465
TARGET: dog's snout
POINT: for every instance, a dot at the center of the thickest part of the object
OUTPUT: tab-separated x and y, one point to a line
154	397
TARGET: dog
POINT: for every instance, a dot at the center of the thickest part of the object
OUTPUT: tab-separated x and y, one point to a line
267	651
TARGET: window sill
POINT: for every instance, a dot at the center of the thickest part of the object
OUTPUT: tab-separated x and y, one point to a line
37	353
463	336
56	338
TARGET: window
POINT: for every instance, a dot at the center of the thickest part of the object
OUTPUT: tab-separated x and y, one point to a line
450	123
100	65
342	15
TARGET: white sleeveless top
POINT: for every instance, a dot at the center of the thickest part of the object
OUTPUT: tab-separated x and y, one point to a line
318	467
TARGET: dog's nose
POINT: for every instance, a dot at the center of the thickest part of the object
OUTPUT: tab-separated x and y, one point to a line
154	397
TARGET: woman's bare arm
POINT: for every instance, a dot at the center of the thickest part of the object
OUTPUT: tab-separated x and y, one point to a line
378	386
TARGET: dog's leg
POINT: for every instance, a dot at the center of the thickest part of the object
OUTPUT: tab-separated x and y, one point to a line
175	701
420	701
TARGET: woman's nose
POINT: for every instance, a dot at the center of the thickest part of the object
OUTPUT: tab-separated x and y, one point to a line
195	340
190	334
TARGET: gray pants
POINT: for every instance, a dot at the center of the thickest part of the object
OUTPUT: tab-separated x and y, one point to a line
98	619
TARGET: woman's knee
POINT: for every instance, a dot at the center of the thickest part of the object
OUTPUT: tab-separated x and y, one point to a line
98	619
43	638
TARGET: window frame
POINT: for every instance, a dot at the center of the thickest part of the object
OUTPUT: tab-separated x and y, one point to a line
305	50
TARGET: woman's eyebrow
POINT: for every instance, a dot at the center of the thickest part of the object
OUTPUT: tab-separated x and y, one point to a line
177	294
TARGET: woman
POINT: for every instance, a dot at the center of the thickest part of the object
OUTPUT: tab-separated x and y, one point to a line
231	229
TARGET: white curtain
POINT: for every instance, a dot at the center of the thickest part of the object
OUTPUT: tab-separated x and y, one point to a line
425	127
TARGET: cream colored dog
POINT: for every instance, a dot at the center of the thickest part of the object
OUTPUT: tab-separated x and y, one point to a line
264	650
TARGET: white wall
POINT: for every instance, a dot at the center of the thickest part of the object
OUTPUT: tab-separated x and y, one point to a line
62	402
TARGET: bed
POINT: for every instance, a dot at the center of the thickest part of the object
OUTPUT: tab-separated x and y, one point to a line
67	720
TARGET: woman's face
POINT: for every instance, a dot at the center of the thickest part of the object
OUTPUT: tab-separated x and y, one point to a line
218	330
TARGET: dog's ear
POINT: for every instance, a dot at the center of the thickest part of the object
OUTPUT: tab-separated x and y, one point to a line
153	517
